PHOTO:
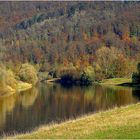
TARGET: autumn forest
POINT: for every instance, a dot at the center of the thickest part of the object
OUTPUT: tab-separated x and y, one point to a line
61	60
64	36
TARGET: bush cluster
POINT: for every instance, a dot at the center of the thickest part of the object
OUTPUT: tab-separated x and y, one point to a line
7	78
28	73
78	77
136	75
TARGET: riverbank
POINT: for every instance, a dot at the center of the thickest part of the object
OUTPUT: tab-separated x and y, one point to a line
111	81
21	86
116	81
121	122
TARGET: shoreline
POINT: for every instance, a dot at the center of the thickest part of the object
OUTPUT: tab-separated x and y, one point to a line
21	86
125	82
116	81
123	122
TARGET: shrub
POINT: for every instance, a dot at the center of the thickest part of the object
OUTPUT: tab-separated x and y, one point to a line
138	67
28	74
78	77
67	79
136	75
7	78
88	76
70	76
10	79
2	78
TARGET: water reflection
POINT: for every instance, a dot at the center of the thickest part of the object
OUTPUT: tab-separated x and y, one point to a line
28	98
46	103
136	93
6	106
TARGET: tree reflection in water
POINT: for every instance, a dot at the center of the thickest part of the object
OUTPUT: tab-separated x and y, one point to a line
136	93
28	98
6	106
54	103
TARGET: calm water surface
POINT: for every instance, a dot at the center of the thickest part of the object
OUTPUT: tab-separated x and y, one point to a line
53	103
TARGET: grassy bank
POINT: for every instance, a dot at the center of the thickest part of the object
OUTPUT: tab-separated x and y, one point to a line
21	86
116	81
117	123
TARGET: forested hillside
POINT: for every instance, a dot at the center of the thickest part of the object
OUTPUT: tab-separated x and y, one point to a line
55	36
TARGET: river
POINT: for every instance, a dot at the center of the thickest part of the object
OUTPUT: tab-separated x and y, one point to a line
52	103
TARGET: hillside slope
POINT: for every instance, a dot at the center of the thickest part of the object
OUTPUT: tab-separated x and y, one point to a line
67	33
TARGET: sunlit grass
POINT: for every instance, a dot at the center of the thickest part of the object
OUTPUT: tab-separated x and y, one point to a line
22	86
116	81
117	123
